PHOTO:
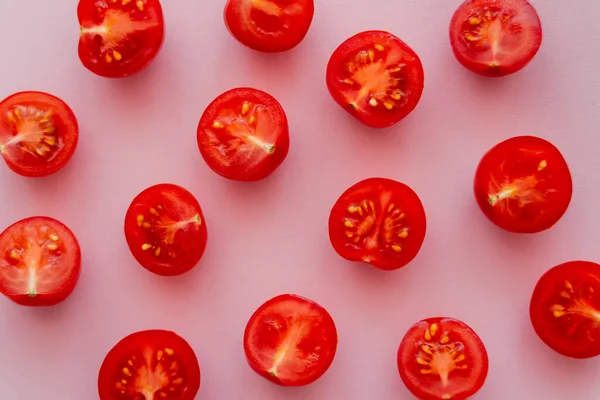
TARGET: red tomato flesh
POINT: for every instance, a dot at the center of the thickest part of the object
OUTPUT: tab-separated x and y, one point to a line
40	262
378	221
119	37
495	37
290	340
38	133
441	359
243	135
376	77
165	229
150	365
565	309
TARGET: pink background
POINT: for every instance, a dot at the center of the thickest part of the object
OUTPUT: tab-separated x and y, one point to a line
271	237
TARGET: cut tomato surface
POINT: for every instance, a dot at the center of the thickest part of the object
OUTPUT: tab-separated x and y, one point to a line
290	340
40	262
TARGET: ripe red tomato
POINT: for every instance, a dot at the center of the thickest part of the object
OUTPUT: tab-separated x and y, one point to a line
270	26
243	134
150	365
38	133
565	309
290	340
495	38
165	230
379	221
119	37
376	77
40	262
442	358
523	184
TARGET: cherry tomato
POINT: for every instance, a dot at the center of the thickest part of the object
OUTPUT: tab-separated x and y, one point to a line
38	133
243	134
442	358
40	262
165	229
523	185
376	77
379	221
565	309
150	365
290	340
119	37
495	38
270	26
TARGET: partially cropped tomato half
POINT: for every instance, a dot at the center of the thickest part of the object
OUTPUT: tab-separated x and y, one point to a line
119	37
442	359
165	229
243	134
565	309
376	77
38	133
523	184
40	262
379	221
290	340
150	365
495	37
270	26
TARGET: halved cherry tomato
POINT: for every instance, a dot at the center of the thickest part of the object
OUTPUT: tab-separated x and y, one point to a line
150	365
270	26
376	77
119	37
379	221
565	309
165	229
40	262
290	340
441	359
495	37
523	184
38	133
243	134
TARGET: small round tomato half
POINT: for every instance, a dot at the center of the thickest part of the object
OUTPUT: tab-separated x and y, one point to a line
270	26
565	309
150	365
495	37
378	221
290	340
523	185
376	77
40	262
38	133
165	229
119	37
441	359
243	135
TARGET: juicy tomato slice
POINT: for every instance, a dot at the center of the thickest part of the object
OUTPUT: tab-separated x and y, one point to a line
270	26
38	133
119	37
243	134
376	77
165	229
565	309
523	184
495	37
441	359
379	221
40	262
290	340
150	365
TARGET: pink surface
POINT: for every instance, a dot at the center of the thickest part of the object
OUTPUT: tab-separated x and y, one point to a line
271	237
